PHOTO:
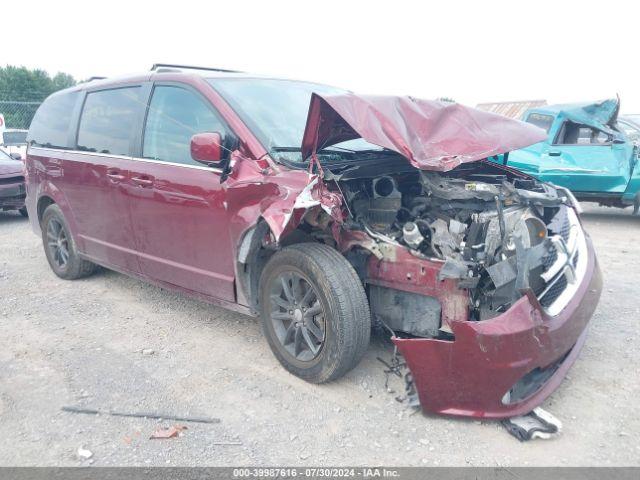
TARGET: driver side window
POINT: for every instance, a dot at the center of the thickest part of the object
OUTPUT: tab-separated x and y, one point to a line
175	115
577	134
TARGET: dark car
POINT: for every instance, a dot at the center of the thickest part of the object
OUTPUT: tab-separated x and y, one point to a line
325	213
12	188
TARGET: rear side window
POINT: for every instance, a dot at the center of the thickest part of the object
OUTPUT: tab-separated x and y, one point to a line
50	125
175	115
108	120
540	120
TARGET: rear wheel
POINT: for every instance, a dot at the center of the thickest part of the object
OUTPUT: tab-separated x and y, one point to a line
60	248
314	310
23	212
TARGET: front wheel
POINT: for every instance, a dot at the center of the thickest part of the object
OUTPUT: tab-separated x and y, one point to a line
314	311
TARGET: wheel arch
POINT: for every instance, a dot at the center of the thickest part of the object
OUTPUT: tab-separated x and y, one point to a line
43	202
49	194
255	249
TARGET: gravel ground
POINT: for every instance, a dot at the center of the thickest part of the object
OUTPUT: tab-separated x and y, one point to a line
110	341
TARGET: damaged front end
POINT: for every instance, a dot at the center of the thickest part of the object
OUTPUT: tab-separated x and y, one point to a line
483	274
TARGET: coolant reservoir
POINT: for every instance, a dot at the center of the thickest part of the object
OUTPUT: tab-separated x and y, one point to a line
411	235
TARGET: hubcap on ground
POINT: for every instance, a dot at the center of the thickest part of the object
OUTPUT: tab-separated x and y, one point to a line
57	243
297	316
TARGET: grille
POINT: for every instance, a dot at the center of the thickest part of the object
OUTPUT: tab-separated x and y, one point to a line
550	259
11	180
554	291
560	225
12	201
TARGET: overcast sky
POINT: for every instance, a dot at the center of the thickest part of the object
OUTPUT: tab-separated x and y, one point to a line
478	51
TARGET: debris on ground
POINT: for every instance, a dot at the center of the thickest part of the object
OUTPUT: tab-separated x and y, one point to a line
399	368
129	438
158	416
148	351
84	454
536	424
171	432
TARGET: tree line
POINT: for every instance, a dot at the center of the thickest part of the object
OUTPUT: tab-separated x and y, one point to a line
22	90
20	84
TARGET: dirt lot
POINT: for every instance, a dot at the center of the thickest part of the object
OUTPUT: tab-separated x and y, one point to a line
81	343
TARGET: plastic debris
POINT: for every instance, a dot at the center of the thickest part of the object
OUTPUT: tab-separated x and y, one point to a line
170	432
536	424
84	454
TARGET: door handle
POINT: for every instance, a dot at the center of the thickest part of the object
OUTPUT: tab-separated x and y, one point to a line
143	181
115	175
554	153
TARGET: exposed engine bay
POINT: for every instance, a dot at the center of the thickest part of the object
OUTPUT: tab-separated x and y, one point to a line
496	234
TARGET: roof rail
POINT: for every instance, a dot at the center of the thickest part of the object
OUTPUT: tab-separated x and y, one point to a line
94	78
157	66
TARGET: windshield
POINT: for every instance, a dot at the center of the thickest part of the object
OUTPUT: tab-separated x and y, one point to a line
14	138
635	119
276	112
630	126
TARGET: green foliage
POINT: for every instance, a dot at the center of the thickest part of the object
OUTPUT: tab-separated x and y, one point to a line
19	84
22	90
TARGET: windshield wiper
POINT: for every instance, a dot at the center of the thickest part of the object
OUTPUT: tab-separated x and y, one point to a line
328	149
286	149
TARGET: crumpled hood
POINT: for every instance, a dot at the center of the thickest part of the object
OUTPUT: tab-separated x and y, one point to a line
9	167
601	115
432	135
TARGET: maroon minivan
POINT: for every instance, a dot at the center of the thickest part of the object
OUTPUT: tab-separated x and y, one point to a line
325	213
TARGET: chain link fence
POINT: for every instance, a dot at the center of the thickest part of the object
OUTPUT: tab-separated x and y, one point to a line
18	114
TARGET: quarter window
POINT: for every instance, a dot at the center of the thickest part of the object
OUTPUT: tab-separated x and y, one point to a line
540	120
175	115
50	125
108	120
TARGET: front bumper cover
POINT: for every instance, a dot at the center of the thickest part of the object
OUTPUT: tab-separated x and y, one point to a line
470	375
12	195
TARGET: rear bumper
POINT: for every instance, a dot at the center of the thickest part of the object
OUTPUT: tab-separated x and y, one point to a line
471	375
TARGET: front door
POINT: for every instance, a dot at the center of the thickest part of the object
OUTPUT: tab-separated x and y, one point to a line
585	159
178	205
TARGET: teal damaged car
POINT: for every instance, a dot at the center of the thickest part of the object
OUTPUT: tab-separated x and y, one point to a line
586	151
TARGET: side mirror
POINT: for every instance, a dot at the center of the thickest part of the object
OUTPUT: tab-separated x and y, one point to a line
16	156
206	147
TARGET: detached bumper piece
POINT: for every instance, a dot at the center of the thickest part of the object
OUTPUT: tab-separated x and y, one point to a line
537	424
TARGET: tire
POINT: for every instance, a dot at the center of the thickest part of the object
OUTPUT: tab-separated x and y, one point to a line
55	230
335	314
636	204
23	212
